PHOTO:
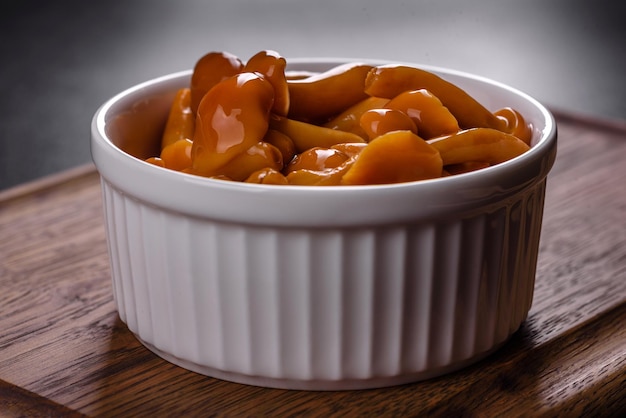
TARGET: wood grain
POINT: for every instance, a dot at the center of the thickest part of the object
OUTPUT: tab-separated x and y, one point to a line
64	351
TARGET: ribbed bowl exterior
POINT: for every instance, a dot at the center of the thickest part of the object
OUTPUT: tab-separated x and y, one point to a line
323	308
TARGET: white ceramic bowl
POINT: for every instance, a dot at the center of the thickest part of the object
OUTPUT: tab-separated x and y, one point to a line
321	288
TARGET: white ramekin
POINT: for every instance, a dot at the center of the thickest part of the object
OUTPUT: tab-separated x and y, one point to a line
321	288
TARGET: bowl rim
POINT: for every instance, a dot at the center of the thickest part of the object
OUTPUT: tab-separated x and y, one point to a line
101	144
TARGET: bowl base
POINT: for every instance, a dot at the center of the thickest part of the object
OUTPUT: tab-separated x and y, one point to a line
317	384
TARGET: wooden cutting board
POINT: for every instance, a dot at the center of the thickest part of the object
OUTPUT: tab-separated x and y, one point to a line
64	351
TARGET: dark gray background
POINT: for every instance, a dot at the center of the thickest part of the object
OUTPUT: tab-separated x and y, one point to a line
60	60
